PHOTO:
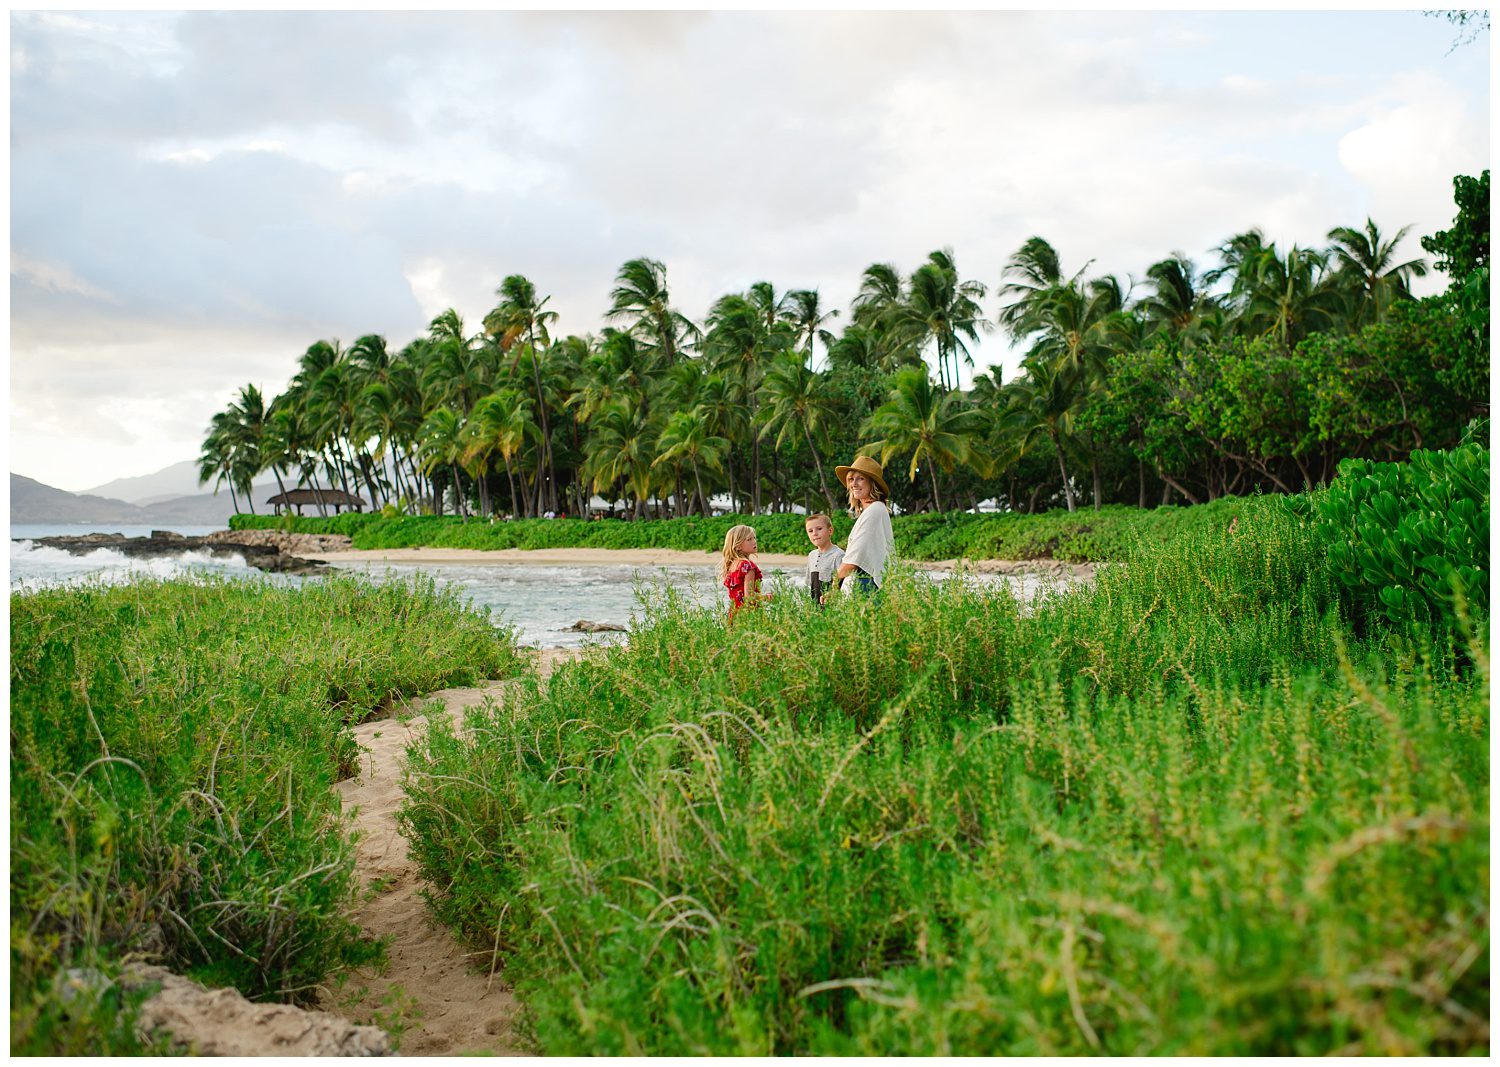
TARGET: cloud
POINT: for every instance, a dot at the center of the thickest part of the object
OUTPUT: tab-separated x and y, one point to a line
196	196
1418	137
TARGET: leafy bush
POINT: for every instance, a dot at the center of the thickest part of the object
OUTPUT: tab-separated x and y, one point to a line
173	745
1108	534
1182	811
1409	541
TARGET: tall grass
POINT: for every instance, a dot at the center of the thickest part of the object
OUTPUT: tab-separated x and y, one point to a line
1183	811
173	745
1110	533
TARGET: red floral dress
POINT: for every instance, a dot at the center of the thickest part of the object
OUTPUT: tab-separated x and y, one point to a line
734	581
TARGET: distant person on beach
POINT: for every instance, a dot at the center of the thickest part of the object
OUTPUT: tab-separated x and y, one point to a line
871	541
738	571
824	559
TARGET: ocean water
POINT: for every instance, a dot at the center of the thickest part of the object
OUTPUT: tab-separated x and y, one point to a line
78	529
539	602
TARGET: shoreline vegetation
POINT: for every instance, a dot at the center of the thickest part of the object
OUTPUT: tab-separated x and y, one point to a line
1209	805
173	748
1073	537
1229	798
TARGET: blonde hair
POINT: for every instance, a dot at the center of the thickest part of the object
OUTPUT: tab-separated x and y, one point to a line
732	541
815	516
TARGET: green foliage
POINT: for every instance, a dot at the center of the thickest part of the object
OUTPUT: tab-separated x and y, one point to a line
1465	248
1182	811
1110	533
1411	541
173	746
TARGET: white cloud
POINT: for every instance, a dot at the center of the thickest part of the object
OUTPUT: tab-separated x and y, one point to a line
1413	143
197	196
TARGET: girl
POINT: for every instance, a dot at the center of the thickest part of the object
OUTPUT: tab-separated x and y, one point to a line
870	542
738	571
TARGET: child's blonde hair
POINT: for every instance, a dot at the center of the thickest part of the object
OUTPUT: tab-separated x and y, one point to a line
732	541
815	516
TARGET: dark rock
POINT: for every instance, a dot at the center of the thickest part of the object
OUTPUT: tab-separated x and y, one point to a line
584	626
165	543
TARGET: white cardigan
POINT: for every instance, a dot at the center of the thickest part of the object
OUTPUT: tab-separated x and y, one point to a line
871	542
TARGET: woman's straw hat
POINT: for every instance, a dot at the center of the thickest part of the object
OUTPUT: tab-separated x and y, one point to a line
866	466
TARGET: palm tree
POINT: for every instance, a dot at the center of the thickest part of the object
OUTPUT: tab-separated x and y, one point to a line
1036	271
880	289
621	442
520	314
1365	261
1288	298
1239	261
798	404
255	434
805	312
1178	300
441	444
739	343
1043	401
936	427
502	422
640	294
617	368
1072	323
686	438
942	310
216	456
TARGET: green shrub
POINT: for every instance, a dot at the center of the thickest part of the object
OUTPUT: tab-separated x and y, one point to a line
1410	541
1111	533
173	745
1181	811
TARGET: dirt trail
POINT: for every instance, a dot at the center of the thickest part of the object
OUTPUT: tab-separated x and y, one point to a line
436	994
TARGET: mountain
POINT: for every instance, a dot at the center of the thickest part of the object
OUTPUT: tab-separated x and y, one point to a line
180	479
33	502
205	509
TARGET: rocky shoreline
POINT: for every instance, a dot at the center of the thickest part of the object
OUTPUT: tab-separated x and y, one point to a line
267	550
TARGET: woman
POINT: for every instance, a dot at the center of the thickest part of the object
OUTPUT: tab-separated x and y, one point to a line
870	542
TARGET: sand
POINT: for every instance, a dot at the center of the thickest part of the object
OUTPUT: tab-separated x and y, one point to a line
443	993
664	557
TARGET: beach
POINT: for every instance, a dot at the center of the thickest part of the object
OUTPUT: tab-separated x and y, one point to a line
666	557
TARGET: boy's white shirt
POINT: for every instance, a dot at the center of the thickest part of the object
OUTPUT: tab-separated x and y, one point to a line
871	541
825	563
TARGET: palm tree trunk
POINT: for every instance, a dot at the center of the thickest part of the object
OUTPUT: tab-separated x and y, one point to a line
1063	466
232	498
511	480
818	462
698	480
754	461
541	407
937	502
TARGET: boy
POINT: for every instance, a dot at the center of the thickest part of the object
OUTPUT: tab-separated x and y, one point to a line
823	561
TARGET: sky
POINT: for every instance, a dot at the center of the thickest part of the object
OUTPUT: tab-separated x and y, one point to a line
196	197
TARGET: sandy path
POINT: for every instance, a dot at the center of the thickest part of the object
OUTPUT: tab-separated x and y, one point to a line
434	989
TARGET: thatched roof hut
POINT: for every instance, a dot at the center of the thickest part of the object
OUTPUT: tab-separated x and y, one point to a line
329	498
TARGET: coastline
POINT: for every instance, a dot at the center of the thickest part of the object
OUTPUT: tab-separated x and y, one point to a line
667	557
